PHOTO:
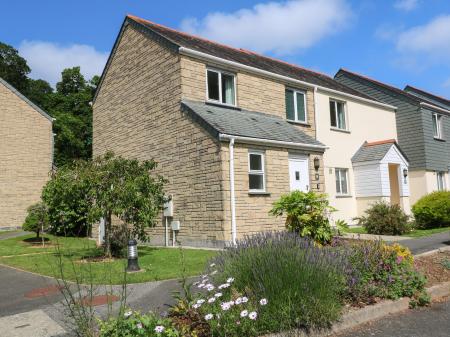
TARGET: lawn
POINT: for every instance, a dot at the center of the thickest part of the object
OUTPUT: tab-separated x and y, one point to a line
416	233
7	232
157	263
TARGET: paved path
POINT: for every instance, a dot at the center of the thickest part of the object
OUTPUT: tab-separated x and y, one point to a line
424	322
421	245
13	234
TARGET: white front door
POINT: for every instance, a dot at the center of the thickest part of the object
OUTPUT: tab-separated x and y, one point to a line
299	173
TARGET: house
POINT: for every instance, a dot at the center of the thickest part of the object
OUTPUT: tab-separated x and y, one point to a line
363	163
26	154
423	129
232	130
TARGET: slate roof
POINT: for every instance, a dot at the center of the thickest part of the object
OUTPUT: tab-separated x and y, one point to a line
244	123
245	57
436	99
30	103
412	98
375	151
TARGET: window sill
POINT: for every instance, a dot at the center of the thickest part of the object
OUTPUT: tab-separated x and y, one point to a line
342	196
262	193
439	139
298	123
339	130
222	105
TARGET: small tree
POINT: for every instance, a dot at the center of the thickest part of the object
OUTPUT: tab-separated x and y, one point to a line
126	189
37	219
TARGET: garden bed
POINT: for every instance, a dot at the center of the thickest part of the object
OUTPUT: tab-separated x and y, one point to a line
435	267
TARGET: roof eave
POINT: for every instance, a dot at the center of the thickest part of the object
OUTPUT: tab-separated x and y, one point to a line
434	107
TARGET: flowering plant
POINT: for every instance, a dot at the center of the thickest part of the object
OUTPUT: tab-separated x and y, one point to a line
134	324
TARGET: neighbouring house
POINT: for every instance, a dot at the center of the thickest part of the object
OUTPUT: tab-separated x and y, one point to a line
26	154
232	130
423	129
363	163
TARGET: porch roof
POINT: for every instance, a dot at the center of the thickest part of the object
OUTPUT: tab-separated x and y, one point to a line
220	120
375	151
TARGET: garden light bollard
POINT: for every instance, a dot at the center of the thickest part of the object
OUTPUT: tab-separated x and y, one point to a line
132	256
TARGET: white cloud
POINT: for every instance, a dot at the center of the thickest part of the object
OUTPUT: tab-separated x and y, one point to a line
47	59
278	27
431	40
406	5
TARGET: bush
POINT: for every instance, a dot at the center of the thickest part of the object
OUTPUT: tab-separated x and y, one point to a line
433	210
382	271
385	219
303	283
133	323
307	214
37	219
66	198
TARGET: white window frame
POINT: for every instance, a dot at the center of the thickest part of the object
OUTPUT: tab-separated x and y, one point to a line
437	118
440	177
220	72
339	170
261	172
344	104
295	91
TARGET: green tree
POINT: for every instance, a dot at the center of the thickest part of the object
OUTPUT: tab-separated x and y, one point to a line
39	92
13	67
37	219
125	189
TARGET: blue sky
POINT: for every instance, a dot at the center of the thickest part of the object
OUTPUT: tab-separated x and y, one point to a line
398	42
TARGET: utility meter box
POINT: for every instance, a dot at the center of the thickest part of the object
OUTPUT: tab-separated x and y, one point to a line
168	208
176	225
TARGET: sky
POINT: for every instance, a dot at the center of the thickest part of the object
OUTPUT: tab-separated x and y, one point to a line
398	42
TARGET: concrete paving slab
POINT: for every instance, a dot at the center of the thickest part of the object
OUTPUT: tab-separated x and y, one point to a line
34	323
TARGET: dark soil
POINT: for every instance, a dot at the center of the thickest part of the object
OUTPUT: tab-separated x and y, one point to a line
433	268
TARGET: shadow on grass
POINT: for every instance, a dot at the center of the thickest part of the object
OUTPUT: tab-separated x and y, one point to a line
35	240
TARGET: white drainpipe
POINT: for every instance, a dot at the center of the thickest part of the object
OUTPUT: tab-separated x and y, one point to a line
316	113
232	196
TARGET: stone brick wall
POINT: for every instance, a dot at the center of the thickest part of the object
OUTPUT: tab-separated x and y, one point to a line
25	156
137	114
253	92
252	210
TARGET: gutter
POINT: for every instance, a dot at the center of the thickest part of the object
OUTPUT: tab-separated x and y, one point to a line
208	57
232	194
250	140
427	105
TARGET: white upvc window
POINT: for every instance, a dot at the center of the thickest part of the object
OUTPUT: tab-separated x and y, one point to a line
341	181
338	116
440	181
220	87
437	126
256	173
296	105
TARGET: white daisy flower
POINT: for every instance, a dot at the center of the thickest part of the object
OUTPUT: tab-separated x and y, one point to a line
224	286
252	315
201	301
225	306
244	313
139	325
218	295
128	314
159	329
230	280
212	300
238	300
263	301
196	306
212	265
214	272
208	317
210	287
244	299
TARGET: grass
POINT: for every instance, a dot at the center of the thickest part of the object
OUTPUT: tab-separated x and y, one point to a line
8	232
416	233
158	263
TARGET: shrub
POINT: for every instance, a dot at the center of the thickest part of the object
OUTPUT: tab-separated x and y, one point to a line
37	219
385	219
306	214
382	271
303	283
133	323
67	201
433	210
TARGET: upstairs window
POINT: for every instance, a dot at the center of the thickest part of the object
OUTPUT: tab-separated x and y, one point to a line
337	115
256	174
296	105
437	126
341	181
221	87
440	181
